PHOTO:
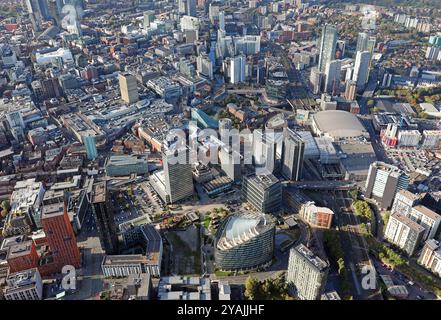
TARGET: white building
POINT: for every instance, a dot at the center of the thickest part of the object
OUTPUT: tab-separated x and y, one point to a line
205	66
165	87
247	45
431	110
24	285
26	200
54	56
237	69
409	138
189	23
307	273
431	139
404	232
427	218
125	265
333	76
361	68
404	202
7	55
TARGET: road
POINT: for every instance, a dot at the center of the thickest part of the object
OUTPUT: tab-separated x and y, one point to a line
356	252
415	291
376	144
322	185
368	92
90	277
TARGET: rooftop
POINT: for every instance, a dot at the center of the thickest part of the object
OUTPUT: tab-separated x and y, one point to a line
339	124
315	260
427	212
123	259
99	192
408	222
263	181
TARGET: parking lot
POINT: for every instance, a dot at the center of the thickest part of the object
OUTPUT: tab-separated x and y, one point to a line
411	160
415	291
134	203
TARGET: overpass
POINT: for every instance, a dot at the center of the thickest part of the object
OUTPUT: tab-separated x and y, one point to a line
321	185
246	91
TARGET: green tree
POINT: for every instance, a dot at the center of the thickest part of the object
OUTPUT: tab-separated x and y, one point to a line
5	205
353	194
423	115
252	288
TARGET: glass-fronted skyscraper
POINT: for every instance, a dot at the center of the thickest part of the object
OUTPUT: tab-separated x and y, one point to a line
91	151
328	44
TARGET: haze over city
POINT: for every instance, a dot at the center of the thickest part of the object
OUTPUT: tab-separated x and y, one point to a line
216	150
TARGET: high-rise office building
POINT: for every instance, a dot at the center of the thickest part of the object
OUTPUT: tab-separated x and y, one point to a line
38	8
103	211
351	90
333	77
237	69
383	183
54	8
190	7
187	7
181	6
307	273
222	20
213	11
178	178
341	49
128	88
365	42
149	17
264	192
230	163
225	124
245	242
60	238
371	43
205	66
247	45
362	40
293	151
328	43
316	80
361	68
91	151
264	151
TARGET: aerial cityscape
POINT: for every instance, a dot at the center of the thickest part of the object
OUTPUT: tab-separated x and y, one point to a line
220	150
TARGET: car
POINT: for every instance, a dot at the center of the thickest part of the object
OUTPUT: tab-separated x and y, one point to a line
420	297
410	283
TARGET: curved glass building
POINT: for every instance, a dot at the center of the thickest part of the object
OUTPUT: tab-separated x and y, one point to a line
245	242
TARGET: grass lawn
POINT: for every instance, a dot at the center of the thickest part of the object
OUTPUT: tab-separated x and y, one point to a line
219	273
206	222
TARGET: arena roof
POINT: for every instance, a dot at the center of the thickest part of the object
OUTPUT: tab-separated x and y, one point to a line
339	124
